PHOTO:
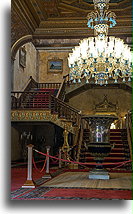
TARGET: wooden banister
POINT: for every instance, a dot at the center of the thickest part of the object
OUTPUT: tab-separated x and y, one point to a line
65	104
31	84
39	99
129	130
44	100
65	111
20	95
61	92
27	99
30	92
79	142
66	77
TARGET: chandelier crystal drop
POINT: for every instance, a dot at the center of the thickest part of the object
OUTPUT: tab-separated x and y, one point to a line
101	57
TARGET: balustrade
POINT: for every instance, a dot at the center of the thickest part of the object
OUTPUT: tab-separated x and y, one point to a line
65	111
29	99
80	139
61	92
49	85
46	101
21	100
129	130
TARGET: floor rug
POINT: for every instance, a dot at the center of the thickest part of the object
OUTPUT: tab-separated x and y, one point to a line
46	193
80	180
66	185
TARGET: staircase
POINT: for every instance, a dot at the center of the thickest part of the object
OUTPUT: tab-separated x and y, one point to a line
119	153
44	102
41	98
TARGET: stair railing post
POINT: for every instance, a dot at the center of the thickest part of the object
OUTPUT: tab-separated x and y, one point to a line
47	164
65	147
29	182
50	100
60	150
47	175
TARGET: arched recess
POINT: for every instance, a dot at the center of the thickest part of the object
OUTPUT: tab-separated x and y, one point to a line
85	87
23	40
14	49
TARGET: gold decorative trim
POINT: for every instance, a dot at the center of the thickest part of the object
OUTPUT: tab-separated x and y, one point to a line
106	106
39	115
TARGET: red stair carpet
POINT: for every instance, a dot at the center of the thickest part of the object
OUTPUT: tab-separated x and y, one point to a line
42	100
119	153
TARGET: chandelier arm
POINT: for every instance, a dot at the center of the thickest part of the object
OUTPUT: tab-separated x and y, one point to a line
123	76
101	57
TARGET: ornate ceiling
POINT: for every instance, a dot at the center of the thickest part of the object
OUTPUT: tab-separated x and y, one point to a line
64	19
111	1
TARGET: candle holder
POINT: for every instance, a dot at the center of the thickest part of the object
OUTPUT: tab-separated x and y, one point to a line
26	138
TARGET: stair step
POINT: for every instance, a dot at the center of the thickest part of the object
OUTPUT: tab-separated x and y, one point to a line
117	133
38	104
117	140
118	137
118	146
106	158
35	103
113	150
118	154
108	165
117	130
41	107
118	150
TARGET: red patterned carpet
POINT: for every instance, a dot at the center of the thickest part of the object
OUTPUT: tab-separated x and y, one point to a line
46	193
19	175
89	193
66	193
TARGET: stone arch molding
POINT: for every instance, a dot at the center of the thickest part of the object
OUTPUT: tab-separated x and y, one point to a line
23	40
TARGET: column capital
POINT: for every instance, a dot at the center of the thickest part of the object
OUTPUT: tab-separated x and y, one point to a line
48	147
30	146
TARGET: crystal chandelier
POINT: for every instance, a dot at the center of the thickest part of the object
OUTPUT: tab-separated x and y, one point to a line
101	57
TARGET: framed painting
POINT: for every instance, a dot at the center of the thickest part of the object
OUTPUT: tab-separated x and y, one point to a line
55	65
22	57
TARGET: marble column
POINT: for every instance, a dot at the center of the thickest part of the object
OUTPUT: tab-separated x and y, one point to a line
47	174
29	182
